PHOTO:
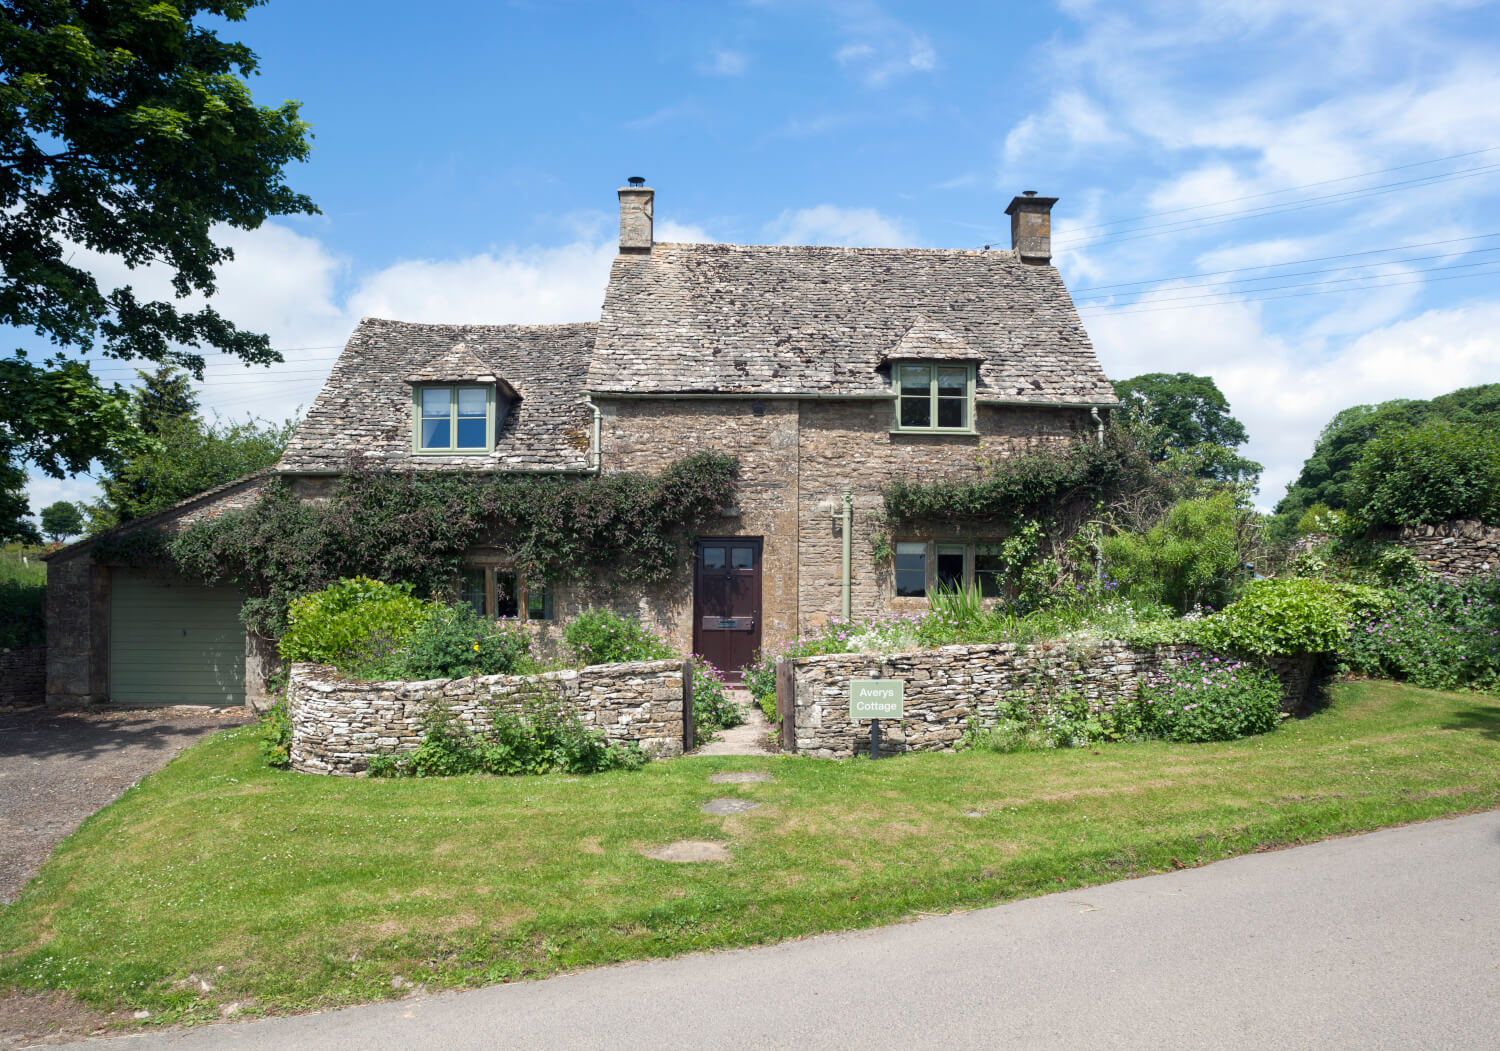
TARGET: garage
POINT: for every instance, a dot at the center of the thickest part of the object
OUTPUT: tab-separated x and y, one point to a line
174	642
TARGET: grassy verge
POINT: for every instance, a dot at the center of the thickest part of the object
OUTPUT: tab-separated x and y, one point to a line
285	892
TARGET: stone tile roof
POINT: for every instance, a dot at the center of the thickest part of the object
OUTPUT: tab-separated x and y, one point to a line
365	407
770	319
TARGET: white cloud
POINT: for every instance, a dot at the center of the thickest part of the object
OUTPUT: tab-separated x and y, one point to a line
1070	121
828	224
727	63
880	48
1286	389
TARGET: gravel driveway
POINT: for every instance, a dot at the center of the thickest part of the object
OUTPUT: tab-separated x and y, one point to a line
57	768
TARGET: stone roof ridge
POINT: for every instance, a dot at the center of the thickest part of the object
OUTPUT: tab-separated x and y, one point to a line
929	341
456	363
1008	254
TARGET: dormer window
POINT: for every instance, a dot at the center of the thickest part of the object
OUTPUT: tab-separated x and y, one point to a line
455	419
458	405
934	396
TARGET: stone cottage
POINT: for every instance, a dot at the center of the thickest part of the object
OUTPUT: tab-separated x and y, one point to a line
827	372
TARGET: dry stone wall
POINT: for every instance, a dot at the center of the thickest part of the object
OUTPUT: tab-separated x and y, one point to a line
948	687
338	723
1463	548
23	675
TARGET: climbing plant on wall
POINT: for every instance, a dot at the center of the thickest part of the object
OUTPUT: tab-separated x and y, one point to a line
416	526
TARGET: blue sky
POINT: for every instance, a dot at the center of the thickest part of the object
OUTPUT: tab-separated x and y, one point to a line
466	157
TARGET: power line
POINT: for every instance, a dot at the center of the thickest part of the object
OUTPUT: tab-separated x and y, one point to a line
1303	295
1305	273
1262	213
1292	189
1289	262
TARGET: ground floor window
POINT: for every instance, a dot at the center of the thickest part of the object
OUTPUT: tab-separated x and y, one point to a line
499	591
954	564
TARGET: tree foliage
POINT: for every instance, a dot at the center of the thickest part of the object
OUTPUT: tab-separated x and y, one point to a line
1187	418
1436	472
179	453
127	131
1326	475
61	520
1193	556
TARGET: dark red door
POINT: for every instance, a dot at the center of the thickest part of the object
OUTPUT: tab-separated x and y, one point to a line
726	603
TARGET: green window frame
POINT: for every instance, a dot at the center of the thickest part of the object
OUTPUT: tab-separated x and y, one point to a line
449	419
934	398
503	592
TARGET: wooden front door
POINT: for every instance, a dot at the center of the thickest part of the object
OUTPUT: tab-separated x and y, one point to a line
726	603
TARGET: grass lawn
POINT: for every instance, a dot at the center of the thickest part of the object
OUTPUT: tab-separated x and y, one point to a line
286	891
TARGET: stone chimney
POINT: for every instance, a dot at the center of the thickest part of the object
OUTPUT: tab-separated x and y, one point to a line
1030	227
636	203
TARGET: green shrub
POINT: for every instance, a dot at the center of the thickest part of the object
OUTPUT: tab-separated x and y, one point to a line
1287	615
455	642
1433	632
275	732
543	737
600	636
356	619
1438	471
1062	722
712	708
1194	556
23	597
1208	698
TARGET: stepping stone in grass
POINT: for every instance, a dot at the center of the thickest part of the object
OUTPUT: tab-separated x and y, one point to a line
728	805
689	850
740	777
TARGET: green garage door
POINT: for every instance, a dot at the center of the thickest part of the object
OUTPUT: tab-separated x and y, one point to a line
172	642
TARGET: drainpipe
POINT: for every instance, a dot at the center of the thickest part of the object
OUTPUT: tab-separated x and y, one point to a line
595	453
1098	425
848	525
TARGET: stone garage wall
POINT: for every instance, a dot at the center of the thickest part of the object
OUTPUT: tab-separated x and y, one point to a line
338	724
947	687
1463	548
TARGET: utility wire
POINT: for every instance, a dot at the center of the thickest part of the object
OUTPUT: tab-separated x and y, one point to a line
1291	189
1289	262
1301	295
1305	273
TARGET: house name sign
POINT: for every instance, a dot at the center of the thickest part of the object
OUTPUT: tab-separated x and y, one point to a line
876	699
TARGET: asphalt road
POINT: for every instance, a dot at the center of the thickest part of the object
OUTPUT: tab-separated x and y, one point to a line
1385	940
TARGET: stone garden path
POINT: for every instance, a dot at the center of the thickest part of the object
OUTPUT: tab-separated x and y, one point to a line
752	737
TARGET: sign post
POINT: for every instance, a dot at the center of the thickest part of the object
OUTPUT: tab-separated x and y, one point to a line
876	699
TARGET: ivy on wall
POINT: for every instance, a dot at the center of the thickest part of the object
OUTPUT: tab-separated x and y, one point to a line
1043	485
416	527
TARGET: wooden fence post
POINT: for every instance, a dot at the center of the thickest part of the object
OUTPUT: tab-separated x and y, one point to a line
689	734
786	705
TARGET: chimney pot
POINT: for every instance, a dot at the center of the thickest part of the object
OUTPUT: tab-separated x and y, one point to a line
637	202
1031	227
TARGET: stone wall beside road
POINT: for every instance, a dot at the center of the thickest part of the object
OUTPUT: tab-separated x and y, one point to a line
338	724
948	687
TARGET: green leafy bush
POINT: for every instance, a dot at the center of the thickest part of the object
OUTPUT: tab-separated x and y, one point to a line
1287	615
601	636
1439	471
455	642
349	620
1434	632
712	709
23	598
275	732
1062	722
542	737
1209	698
1194	556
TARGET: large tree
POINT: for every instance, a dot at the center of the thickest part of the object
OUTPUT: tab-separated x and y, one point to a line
1327	475
181	454
61	520
127	131
1186	419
